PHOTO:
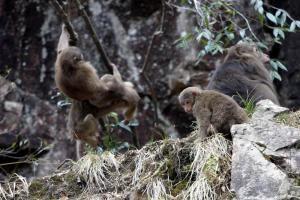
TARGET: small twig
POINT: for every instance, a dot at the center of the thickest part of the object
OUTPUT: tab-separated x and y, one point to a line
145	64
94	35
65	19
245	19
284	11
180	7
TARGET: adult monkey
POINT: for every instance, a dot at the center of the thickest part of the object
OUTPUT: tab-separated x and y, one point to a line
244	75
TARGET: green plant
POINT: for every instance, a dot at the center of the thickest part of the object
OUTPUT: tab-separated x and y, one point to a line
220	24
248	104
112	123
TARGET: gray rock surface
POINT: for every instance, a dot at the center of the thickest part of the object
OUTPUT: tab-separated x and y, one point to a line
31	128
265	158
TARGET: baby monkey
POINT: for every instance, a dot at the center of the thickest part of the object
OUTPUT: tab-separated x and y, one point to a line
212	108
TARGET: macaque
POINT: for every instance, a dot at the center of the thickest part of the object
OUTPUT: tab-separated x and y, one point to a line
92	97
212	108
87	130
74	76
243	75
120	96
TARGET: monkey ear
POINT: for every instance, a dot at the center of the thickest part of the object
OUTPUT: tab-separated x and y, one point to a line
194	93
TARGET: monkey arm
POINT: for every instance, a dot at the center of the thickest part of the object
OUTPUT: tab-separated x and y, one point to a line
63	40
130	112
203	116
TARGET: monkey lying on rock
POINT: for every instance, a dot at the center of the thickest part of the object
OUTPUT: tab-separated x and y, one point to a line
212	108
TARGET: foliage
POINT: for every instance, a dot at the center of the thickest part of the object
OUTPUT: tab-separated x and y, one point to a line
248	104
221	24
112	124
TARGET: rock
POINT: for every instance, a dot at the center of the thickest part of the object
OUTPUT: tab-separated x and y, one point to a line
266	109
264	156
28	127
14	107
254	177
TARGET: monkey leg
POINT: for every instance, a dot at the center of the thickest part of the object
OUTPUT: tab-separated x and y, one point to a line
87	130
203	122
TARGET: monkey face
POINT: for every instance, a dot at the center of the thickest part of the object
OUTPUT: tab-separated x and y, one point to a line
188	107
262	56
71	55
187	98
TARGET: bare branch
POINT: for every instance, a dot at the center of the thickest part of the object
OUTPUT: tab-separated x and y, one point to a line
95	37
65	19
145	64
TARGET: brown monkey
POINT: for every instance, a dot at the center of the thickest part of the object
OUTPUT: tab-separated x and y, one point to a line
243	74
74	76
93	97
120	95
87	130
212	108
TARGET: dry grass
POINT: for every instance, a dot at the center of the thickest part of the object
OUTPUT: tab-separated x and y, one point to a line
17	186
185	168
291	119
96	170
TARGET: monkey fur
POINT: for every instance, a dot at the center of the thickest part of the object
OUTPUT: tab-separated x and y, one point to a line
243	75
92	97
212	108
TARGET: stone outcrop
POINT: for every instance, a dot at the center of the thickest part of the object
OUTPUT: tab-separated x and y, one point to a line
265	157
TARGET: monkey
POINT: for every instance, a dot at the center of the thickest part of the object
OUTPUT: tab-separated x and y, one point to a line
212	108
122	97
74	76
243	75
87	130
92	97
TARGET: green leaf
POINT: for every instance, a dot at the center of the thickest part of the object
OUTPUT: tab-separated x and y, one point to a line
297	23
261	10
274	65
261	19
282	19
230	36
277	13
242	33
276	75
271	17
281	33
275	32
258	4
292	26
261	45
124	126
219	36
281	66
252	2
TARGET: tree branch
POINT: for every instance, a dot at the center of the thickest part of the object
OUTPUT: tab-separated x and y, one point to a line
73	35
94	35
143	71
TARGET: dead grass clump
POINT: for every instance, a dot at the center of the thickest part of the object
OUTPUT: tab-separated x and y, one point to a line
15	187
97	171
289	118
186	168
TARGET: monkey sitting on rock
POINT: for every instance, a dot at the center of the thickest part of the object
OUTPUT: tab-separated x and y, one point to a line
212	108
243	75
